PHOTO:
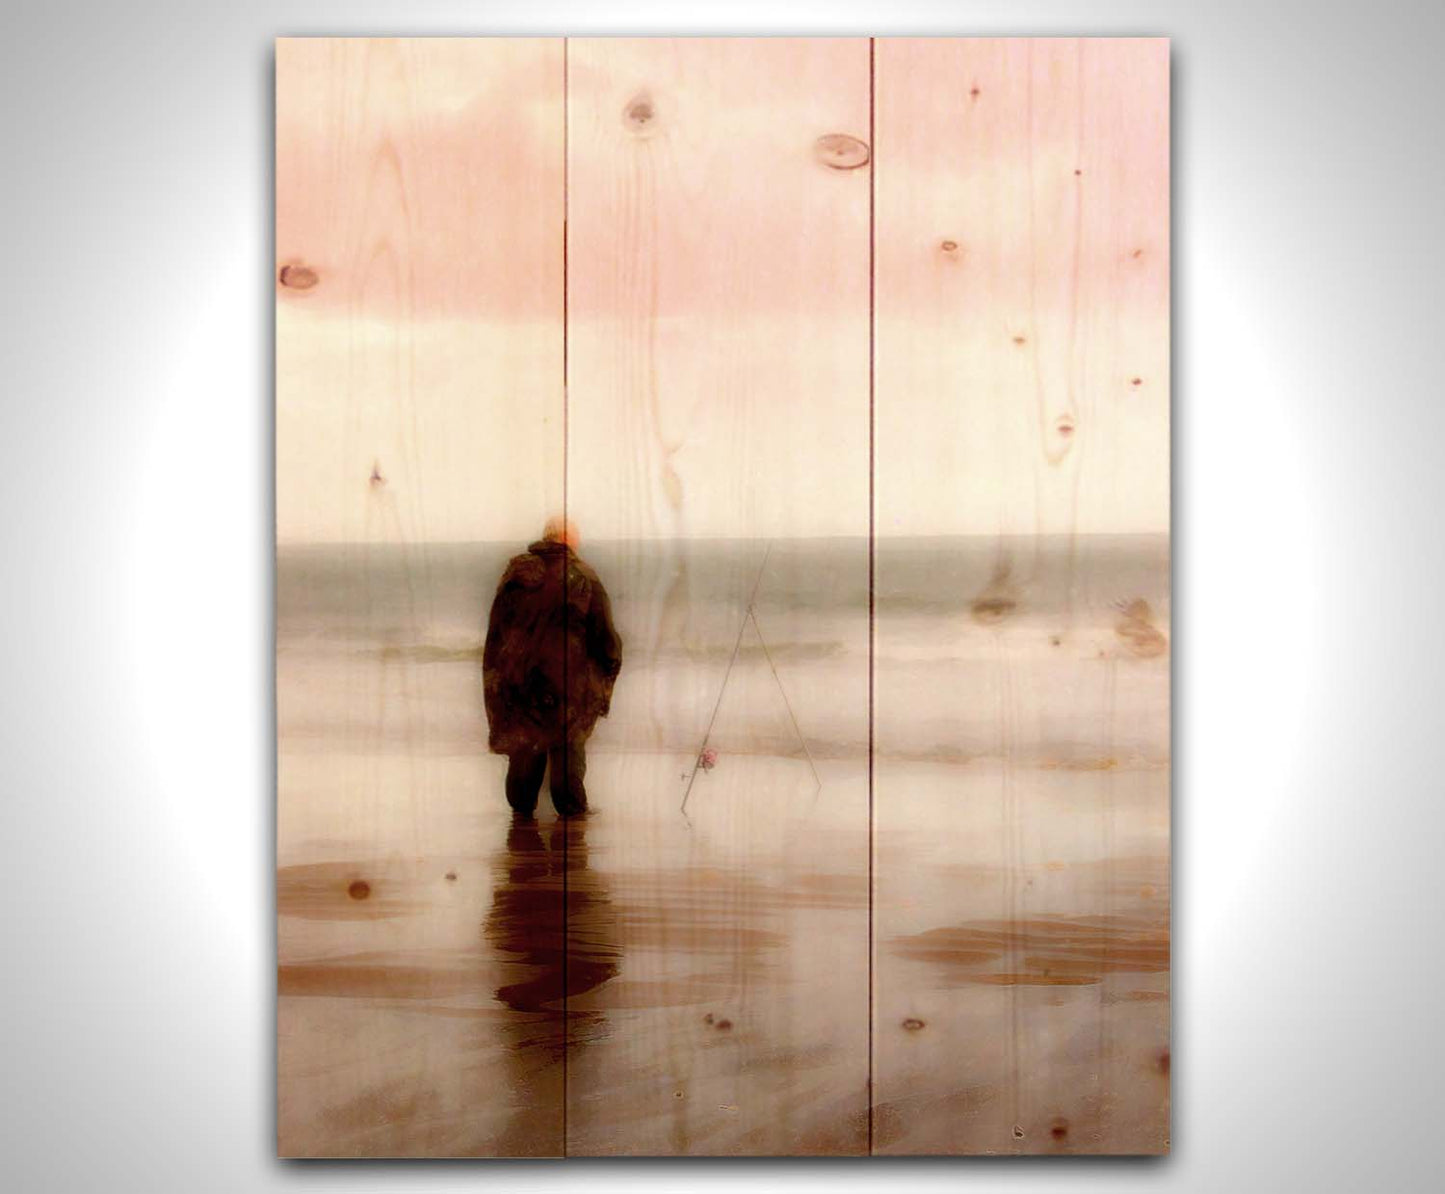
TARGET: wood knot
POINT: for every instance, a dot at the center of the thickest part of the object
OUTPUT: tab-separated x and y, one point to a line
975	91
912	1024
451	876
1018	1132
640	114
998	602
1136	381
1136	630
359	889
376	480
1060	1130
1162	1061
724	1025
838	151
298	277
992	610
1021	340
1065	426
949	246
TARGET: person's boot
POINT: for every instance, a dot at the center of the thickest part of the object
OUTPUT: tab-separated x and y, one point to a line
524	782
569	766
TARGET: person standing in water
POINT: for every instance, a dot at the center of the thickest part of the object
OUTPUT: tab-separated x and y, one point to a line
551	658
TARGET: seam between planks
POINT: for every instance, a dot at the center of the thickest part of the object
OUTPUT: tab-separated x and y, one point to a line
872	541
566	412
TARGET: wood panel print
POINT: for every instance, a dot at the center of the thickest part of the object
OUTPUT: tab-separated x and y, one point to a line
722	596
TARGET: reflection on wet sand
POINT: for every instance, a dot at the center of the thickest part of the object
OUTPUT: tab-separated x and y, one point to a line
551	924
1055	950
703	990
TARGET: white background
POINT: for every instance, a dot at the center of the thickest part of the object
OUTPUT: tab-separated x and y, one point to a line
136	750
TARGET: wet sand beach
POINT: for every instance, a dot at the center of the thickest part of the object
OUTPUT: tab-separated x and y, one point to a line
654	979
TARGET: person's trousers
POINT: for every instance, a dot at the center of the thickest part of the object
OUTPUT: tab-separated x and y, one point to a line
569	766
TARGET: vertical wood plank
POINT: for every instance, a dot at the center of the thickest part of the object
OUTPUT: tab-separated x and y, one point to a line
718	465
1022	675
419	441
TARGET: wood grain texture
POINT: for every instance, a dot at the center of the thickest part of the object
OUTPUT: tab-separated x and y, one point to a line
419	362
718	364
1021	702
419	401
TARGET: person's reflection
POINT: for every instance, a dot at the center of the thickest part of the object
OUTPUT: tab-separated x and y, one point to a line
552	920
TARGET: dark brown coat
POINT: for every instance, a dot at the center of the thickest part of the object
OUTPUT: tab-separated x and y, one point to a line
549	662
